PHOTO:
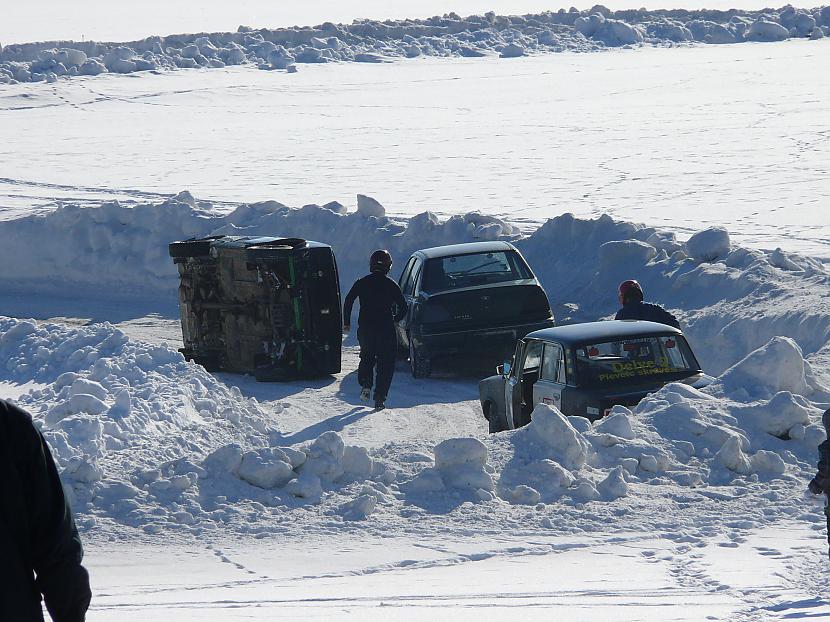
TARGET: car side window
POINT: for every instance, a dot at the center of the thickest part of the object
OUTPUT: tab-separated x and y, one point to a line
533	356
561	377
409	286
407	270
416	276
553	364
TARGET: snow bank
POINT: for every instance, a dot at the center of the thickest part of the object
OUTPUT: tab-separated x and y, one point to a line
375	41
145	439
730	300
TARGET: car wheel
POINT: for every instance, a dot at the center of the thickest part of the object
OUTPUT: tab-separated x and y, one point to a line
419	363
494	422
191	248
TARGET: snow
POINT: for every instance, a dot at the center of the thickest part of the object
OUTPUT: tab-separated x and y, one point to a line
232	498
777	366
98	20
272	144
560	439
375	41
709	244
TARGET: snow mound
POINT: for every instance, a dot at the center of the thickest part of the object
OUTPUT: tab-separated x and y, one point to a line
367	206
564	444
614	486
777	366
610	31
461	464
733	458
266	468
766	30
371	41
617	424
709	244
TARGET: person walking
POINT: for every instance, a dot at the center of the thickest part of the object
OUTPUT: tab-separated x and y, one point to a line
821	482
381	305
633	307
41	550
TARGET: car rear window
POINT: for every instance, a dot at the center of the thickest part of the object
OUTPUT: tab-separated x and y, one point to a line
634	361
456	271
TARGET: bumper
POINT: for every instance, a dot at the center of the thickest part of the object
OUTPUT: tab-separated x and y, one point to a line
498	342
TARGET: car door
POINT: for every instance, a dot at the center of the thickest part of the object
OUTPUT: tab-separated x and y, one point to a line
513	386
408	283
402	281
552	377
520	382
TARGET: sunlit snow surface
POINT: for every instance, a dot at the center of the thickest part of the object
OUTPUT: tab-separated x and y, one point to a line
680	138
734	135
100	20
631	577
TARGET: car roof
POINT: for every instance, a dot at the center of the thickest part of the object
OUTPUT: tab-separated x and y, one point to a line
595	332
465	249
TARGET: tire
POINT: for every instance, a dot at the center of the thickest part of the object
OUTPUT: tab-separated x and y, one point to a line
419	363
192	248
495	423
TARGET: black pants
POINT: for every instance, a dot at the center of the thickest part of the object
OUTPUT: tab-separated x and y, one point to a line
827	514
378	347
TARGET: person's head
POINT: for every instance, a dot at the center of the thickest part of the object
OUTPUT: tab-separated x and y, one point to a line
380	261
825	419
630	291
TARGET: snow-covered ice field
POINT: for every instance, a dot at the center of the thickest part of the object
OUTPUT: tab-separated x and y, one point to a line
735	135
212	497
621	578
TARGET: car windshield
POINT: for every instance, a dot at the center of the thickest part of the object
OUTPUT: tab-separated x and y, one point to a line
634	361
455	271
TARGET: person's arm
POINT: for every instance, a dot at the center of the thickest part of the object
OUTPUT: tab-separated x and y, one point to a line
348	304
400	301
821	482
56	551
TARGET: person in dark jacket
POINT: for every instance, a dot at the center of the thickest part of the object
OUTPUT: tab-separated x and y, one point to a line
41	550
381	305
633	307
821	482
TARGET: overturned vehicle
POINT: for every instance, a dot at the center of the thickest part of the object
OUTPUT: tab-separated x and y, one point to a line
260	305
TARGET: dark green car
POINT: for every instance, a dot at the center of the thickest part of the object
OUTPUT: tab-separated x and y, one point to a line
586	369
259	305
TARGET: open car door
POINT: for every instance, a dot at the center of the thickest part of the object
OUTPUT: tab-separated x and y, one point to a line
513	387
